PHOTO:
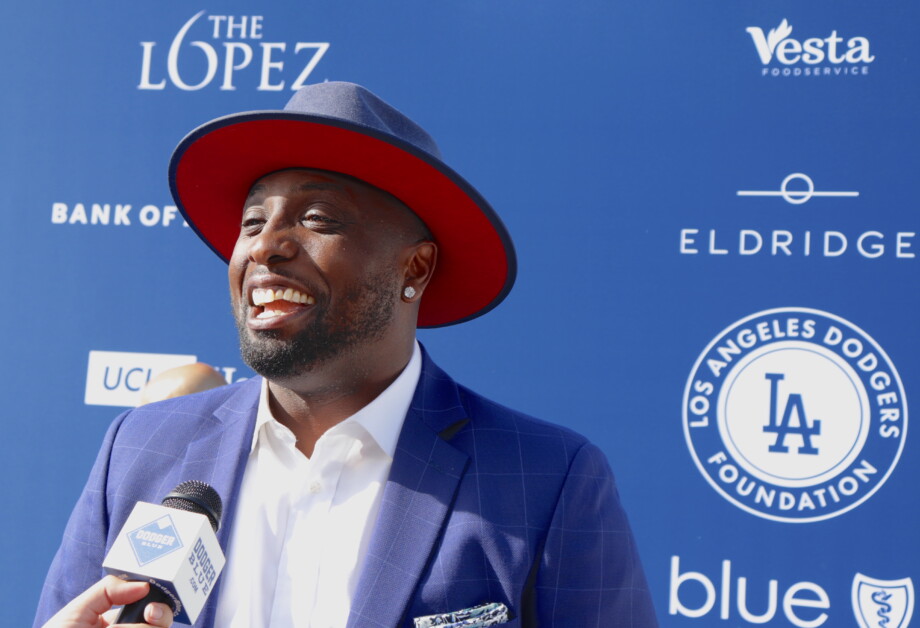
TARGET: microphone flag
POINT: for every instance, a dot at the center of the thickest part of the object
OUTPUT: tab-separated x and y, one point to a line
174	550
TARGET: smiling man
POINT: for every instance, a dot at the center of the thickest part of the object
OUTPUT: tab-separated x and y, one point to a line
363	486
320	265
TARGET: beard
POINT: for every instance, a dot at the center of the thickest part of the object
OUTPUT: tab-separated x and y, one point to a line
365	316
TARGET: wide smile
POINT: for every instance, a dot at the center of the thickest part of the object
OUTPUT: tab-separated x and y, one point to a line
273	307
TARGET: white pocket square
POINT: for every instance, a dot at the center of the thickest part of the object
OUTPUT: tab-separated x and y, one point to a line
476	617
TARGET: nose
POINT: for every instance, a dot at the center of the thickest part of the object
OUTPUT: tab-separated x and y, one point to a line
274	244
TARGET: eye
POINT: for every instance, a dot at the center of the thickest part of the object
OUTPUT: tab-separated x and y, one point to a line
252	221
318	219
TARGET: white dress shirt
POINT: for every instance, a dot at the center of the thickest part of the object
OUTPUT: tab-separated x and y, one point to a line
303	525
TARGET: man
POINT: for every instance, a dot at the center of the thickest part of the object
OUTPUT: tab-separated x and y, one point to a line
364	487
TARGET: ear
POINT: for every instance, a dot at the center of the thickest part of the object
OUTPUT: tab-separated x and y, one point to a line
419	264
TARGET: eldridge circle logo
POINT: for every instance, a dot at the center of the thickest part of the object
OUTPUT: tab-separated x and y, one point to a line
795	415
783	241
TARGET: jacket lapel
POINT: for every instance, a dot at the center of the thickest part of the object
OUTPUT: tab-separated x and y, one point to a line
218	457
417	499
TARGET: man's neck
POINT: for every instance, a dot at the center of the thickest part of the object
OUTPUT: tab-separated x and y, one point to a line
311	404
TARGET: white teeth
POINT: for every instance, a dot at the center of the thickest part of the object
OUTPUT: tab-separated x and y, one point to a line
261	296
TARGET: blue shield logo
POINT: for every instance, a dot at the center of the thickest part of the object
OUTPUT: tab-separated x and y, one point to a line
882	603
154	540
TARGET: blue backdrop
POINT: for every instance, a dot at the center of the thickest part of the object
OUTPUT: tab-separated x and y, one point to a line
681	180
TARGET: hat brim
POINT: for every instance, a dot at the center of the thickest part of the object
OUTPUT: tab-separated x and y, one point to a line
213	168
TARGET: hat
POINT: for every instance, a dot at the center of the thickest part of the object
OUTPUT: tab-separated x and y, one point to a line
344	128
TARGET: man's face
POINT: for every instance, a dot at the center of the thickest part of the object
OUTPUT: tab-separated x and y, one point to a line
316	270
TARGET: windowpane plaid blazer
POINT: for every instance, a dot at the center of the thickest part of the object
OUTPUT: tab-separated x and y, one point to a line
483	504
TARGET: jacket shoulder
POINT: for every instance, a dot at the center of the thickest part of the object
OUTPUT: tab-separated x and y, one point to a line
497	432
221	404
491	414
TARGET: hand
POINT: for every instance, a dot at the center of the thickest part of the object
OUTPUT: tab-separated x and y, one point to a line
91	609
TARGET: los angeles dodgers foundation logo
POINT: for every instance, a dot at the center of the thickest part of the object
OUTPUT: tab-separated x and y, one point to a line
795	415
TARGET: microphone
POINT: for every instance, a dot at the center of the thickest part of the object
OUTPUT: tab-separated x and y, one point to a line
173	547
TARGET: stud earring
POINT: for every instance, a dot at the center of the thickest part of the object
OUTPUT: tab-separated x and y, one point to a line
408	292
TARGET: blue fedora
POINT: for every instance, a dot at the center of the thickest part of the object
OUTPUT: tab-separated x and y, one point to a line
344	128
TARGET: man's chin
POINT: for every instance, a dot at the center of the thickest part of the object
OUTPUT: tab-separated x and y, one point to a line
271	355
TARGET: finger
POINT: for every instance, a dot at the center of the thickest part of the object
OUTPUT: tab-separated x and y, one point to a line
108	592
157	614
86	608
119	592
110	617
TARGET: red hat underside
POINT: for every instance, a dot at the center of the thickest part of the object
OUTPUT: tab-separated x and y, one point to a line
216	171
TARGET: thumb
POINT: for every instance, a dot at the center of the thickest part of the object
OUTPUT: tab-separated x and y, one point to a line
109	592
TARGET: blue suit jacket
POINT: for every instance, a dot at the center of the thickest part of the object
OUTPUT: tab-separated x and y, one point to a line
483	504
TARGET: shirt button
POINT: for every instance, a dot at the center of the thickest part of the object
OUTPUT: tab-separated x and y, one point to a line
315	487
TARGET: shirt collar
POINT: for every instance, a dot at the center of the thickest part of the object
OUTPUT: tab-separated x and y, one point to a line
382	418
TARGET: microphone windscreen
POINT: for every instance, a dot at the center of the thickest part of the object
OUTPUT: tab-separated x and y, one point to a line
198	497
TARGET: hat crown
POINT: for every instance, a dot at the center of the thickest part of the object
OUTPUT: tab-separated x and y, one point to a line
355	104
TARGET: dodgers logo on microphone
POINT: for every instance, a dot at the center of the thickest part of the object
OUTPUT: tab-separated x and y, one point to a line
154	540
795	415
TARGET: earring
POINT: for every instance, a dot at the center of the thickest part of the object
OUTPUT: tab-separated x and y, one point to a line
408	292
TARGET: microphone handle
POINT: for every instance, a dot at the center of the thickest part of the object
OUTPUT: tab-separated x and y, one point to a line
133	613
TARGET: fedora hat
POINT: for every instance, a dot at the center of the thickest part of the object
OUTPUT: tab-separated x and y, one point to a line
344	128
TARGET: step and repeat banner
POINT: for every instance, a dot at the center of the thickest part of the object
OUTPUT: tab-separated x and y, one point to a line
715	212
